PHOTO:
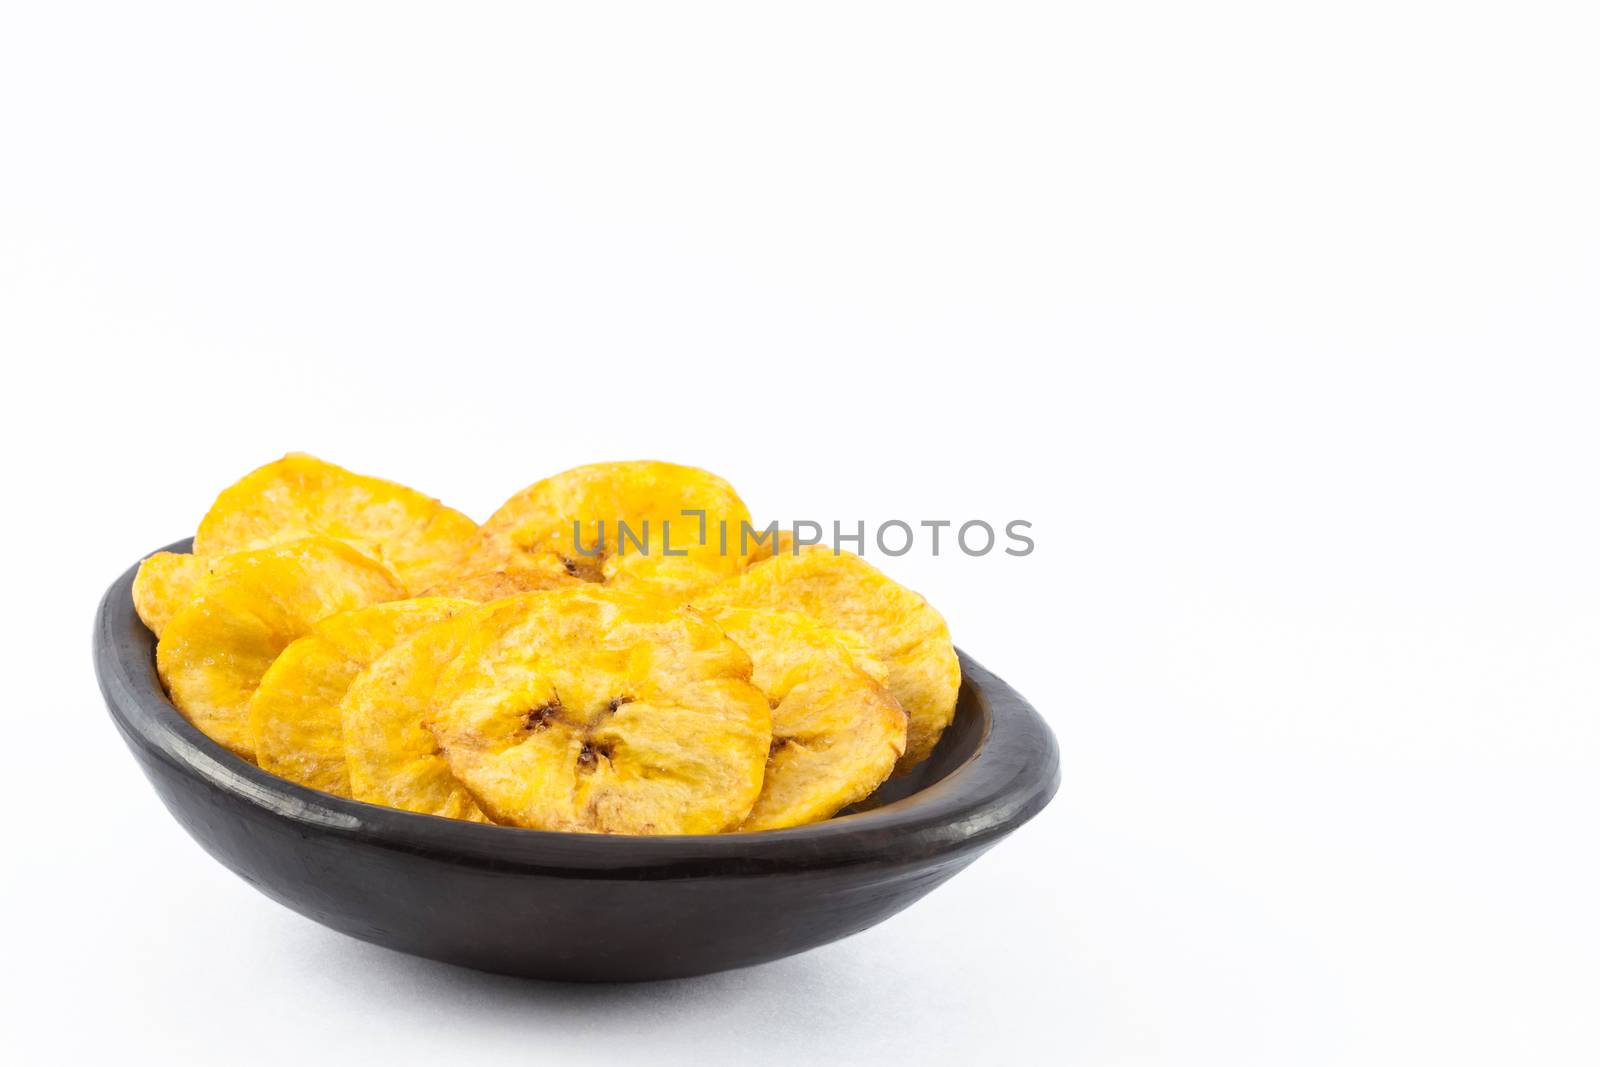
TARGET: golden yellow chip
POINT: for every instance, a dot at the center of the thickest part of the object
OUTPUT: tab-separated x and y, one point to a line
641	525
165	584
901	628
588	709
213	653
296	726
485	586
836	731
390	757
302	496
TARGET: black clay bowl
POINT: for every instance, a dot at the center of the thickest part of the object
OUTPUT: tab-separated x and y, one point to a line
581	906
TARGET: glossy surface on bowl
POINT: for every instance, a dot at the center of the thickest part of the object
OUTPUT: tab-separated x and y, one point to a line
582	906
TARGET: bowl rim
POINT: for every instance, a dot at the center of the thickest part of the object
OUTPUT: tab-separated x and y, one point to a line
1011	776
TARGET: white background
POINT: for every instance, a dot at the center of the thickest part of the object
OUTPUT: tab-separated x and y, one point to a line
1278	321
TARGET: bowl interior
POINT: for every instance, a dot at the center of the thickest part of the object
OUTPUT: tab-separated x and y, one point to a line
961	741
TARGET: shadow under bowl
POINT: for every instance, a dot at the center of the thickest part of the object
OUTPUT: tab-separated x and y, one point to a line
587	907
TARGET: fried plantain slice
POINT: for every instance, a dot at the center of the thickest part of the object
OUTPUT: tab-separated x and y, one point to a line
165	584
836	731
592	710
663	549
302	496
901	628
485	586
296	726
390	757
214	652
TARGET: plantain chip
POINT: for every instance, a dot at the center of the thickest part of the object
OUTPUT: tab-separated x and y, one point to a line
214	652
484	586
296	726
302	496
572	525
592	710
165	584
845	592
390	757
836	731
